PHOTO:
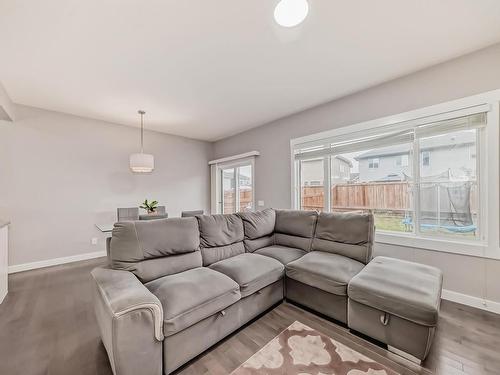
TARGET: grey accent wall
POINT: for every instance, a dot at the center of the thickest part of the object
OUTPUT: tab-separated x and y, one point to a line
61	174
468	75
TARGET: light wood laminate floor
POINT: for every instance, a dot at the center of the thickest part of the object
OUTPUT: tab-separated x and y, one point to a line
47	327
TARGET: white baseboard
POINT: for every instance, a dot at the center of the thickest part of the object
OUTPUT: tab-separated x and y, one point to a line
55	261
472	301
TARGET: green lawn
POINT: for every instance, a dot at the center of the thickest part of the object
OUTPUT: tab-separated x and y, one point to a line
393	223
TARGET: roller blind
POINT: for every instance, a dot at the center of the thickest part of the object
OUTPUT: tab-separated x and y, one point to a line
442	127
394	134
354	145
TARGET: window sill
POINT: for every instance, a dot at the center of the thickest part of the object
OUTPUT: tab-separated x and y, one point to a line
470	248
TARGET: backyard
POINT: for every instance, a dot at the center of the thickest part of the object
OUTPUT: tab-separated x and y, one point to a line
391	205
390	222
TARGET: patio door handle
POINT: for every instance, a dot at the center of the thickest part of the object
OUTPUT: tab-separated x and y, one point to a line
384	319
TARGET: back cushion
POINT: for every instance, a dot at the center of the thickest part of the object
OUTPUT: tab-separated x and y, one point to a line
156	248
349	234
295	228
221	237
259	228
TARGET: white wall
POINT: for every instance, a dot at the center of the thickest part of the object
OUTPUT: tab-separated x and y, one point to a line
471	74
61	174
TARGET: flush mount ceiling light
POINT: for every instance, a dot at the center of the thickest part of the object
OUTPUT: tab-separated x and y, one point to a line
141	162
290	13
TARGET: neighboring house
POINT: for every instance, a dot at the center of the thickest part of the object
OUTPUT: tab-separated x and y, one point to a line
341	170
438	155
312	171
230	183
390	163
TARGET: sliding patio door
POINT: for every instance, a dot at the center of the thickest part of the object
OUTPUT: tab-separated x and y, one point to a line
236	188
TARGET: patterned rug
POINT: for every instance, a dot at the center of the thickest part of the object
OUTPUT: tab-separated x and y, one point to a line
300	350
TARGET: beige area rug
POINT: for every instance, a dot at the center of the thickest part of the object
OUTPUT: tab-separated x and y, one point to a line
300	350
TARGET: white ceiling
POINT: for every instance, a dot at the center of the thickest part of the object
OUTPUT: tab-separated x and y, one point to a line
210	69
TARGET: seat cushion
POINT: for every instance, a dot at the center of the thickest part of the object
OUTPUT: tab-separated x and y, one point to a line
251	271
282	253
409	290
325	271
191	296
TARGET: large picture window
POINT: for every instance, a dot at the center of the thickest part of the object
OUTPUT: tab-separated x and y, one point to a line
419	178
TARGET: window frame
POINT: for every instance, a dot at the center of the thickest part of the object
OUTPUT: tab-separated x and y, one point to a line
487	160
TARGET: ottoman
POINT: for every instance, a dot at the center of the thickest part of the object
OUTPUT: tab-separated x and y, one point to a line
396	302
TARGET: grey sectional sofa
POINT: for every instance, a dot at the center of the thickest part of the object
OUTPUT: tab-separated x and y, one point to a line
175	287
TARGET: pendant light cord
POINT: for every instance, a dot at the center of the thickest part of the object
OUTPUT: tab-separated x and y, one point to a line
141	112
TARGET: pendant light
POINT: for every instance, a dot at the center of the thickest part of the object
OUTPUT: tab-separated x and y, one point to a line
141	162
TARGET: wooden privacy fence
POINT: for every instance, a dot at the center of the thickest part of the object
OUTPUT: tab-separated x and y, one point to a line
381	195
374	195
393	196
230	201
312	198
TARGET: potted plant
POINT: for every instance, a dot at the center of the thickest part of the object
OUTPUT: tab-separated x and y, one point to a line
150	207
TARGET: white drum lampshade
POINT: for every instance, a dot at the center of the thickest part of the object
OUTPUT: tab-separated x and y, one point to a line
141	162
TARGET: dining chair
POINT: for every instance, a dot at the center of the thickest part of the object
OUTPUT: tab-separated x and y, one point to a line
191	213
127	214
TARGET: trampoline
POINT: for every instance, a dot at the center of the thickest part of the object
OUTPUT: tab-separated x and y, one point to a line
445	204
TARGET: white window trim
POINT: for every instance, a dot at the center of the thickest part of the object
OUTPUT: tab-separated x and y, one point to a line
228	159
488	246
234	161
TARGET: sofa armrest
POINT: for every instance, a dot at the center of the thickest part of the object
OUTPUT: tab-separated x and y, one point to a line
130	319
